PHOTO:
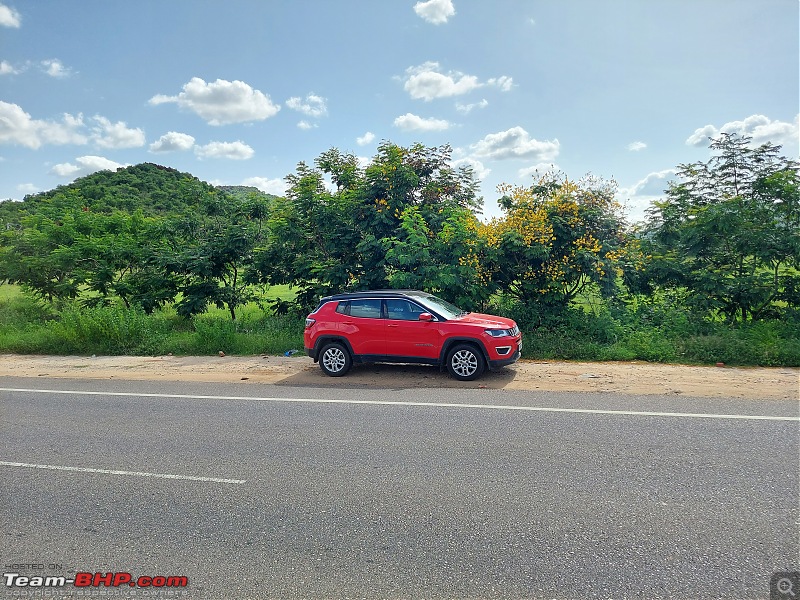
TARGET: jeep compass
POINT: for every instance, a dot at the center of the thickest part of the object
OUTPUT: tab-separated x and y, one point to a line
408	326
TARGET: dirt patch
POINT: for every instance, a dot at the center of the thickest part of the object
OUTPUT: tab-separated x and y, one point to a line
618	377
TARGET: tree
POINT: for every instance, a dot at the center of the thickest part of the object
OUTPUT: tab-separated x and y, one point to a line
211	252
556	238
729	231
403	220
39	253
141	235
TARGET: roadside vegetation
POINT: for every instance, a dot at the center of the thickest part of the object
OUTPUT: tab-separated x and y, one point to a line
32	326
147	260
649	333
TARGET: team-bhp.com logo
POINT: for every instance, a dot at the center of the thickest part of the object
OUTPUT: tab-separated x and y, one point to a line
85	580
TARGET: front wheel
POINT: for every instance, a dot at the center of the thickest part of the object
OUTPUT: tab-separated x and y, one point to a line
465	362
335	360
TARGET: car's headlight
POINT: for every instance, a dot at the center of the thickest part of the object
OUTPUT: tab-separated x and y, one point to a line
498	332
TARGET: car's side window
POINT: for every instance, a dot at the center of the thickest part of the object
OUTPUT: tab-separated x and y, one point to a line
403	310
367	309
343	308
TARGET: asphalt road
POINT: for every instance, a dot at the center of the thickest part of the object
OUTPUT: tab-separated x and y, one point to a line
436	493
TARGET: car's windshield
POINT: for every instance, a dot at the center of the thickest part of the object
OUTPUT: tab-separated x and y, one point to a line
443	307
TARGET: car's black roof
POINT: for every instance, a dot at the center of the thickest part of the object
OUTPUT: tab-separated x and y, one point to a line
376	293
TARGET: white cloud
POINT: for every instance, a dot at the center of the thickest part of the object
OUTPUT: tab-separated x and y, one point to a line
52	67
636	146
465	109
27	188
478	168
222	102
652	185
55	68
173	141
17	127
435	11
701	135
276	187
427	82
233	150
116	135
537	170
365	139
640	196
515	143
86	165
312	105
9	17
6	68
760	128
409	122
306	125
504	83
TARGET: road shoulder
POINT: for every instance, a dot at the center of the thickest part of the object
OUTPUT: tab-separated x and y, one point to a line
617	377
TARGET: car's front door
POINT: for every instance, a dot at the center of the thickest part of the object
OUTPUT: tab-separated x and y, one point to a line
406	335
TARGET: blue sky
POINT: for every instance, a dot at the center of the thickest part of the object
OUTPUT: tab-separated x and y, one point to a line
239	91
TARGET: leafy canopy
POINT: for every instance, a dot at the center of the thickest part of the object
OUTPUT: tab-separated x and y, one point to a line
729	231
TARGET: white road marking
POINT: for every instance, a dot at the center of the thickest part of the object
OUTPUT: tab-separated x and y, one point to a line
114	472
591	411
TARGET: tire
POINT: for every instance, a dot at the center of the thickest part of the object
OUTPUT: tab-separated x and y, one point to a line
335	360
465	362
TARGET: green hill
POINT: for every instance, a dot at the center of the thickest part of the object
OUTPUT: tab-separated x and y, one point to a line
152	189
145	234
149	188
245	192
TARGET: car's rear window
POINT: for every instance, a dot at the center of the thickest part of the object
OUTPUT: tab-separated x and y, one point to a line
366	309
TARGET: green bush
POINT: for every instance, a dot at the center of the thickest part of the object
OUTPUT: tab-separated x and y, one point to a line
658	331
17	309
213	336
767	344
108	330
655	332
650	345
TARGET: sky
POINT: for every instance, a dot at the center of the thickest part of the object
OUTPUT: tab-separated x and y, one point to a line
238	92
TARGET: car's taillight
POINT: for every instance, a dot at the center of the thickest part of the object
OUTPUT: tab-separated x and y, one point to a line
310	322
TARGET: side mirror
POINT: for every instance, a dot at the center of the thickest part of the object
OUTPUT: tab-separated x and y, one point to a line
425	317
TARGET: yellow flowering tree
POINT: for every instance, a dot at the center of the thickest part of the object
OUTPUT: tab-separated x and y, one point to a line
556	238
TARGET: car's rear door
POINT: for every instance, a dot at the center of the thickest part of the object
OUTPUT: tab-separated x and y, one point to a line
364	326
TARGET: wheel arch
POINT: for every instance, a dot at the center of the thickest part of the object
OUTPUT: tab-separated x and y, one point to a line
453	341
325	339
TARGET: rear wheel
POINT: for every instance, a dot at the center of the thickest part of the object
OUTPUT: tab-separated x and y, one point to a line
335	360
465	362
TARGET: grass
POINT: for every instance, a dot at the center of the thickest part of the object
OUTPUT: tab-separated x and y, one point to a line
28	326
653	331
664	334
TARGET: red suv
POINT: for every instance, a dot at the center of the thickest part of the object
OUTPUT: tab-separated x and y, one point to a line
407	326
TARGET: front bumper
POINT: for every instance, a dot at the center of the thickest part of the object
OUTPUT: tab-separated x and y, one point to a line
498	364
